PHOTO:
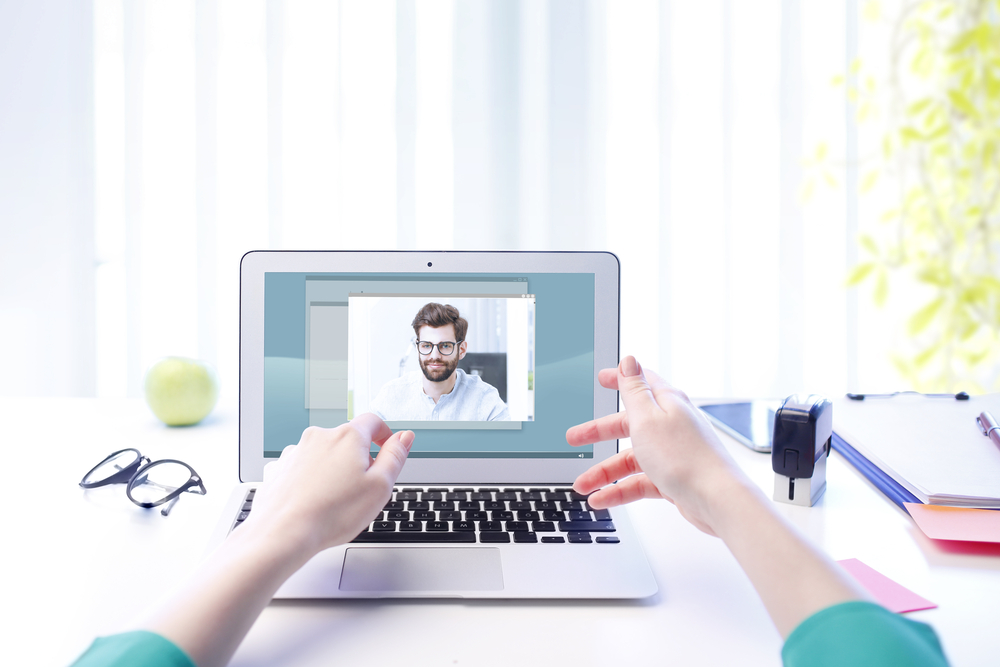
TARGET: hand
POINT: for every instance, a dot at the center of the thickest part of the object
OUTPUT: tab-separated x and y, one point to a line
325	490
675	453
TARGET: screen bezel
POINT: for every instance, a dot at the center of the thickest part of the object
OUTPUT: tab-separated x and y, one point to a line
603	265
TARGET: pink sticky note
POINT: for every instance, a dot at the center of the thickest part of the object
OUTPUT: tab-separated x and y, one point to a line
956	523
886	592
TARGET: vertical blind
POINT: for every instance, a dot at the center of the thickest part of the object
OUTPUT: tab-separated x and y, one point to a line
674	134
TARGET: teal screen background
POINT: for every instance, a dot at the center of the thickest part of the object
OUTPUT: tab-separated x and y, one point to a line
564	368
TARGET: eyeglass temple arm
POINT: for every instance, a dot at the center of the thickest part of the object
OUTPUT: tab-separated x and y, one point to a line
165	510
193	485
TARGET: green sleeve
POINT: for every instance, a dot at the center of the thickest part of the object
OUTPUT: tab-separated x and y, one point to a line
861	633
135	649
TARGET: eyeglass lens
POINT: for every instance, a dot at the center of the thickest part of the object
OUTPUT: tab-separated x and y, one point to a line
444	348
112	466
158	481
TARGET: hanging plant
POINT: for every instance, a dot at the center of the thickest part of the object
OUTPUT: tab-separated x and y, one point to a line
941	150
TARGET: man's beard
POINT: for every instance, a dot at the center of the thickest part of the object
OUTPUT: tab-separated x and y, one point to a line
440	374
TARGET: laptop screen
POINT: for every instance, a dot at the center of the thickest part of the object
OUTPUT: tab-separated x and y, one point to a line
478	365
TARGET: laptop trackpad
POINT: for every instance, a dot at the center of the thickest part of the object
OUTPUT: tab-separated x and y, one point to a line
422	569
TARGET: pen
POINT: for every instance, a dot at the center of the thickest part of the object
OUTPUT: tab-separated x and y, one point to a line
989	427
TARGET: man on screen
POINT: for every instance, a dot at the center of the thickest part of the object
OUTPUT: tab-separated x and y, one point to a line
442	391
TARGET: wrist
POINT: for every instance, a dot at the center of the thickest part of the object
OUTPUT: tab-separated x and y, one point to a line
274	543
230	588
731	499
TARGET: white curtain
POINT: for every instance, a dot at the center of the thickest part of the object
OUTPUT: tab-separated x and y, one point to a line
671	133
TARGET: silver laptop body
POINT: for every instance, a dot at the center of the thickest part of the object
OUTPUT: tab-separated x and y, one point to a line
323	334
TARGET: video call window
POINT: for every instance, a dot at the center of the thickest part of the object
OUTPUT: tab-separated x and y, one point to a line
419	360
332	341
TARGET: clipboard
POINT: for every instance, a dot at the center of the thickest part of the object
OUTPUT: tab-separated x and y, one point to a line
921	449
937	521
887	485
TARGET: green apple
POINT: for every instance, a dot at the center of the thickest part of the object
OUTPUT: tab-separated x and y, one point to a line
181	391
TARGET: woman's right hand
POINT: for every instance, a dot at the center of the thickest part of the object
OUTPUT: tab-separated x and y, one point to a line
675	452
677	455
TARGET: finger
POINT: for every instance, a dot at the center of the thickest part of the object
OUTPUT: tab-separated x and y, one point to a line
635	391
371	428
608	377
609	427
664	392
392	455
626	491
617	467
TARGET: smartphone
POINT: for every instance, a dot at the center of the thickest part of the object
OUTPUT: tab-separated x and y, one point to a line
751	423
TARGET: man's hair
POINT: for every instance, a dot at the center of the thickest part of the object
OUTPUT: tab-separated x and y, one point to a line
436	315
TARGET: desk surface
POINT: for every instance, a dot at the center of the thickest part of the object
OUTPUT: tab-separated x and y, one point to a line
81	564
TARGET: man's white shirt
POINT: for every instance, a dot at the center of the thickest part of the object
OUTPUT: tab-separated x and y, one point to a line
403	399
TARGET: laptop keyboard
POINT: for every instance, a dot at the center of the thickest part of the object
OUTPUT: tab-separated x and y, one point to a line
548	515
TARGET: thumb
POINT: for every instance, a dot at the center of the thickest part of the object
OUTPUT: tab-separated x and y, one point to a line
392	455
636	393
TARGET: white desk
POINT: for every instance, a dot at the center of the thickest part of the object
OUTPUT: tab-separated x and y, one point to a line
78	564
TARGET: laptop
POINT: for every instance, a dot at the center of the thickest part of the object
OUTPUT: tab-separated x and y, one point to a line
484	506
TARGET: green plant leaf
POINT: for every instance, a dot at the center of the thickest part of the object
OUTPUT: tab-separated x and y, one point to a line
962	103
964	41
868	243
934	275
977	357
968	331
859	273
941	131
872	11
865	110
992	84
869	181
991	284
924	316
903	366
881	288
887	146
974	294
918	107
921	359
921	63
808	190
